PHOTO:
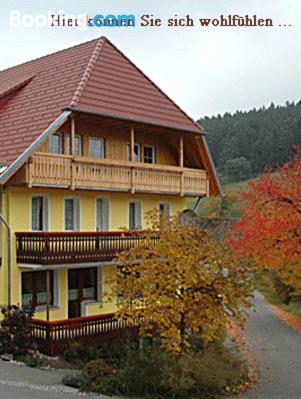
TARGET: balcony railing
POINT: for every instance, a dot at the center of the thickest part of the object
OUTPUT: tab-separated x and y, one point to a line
68	248
103	174
52	337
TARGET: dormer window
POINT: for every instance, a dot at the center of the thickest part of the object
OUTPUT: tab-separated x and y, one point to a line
148	154
55	144
136	152
77	145
96	147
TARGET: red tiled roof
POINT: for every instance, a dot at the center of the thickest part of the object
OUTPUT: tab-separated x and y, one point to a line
94	76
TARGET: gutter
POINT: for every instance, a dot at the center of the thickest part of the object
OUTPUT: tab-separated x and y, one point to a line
52	128
8	227
126	118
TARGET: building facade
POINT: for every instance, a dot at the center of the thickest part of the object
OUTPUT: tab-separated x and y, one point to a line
88	145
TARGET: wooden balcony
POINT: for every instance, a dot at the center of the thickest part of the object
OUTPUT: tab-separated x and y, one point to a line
53	337
51	170
41	248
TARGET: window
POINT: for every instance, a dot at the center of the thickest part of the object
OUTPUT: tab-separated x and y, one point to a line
102	214
34	288
39	213
96	147
135	216
148	154
82	288
136	152
77	145
164	210
72	212
55	144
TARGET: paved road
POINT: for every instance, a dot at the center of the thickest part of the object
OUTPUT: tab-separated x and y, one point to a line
277	347
21	382
278	350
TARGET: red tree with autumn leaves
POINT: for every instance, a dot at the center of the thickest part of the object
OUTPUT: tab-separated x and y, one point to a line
269	230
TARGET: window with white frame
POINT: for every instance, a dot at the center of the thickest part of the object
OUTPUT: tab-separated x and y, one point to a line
55	144
34	288
72	214
96	147
136	152
135	215
164	210
77	145
148	154
102	214
39	213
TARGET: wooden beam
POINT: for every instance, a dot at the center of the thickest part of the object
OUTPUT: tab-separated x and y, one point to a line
72	151
132	144
72	136
181	163
29	170
207	187
181	152
132	159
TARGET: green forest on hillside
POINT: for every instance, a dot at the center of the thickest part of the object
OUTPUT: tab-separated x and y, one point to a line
244	143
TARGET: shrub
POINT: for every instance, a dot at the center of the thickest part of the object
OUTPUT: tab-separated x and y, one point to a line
111	351
148	371
15	330
32	359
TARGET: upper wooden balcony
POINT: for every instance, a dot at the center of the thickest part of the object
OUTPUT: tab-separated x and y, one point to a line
64	171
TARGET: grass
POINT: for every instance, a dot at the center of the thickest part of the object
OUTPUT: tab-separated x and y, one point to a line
265	287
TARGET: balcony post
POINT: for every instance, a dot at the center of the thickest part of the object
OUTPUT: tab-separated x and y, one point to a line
48	294
29	172
72	152
207	187
181	164
132	156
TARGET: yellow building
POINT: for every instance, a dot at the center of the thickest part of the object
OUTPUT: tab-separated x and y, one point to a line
88	144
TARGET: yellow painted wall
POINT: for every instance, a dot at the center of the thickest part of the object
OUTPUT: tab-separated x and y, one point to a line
16	207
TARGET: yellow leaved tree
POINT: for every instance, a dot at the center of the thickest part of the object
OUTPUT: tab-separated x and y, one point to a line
181	282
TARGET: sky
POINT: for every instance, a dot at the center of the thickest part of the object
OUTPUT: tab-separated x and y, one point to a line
205	70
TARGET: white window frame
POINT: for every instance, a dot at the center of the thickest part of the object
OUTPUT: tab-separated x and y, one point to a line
164	205
140	227
76	220
154	154
102	146
46	211
128	152
68	144
107	204
60	144
56	291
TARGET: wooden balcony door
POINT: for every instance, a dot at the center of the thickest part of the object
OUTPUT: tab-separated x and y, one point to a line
82	287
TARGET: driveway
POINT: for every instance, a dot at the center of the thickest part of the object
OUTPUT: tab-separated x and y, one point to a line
278	350
21	382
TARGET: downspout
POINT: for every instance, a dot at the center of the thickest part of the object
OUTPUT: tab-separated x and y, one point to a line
197	204
7	225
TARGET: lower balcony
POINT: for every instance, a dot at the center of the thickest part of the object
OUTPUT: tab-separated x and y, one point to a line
51	170
53	337
41	248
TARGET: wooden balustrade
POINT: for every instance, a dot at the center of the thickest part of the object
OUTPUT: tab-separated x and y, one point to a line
103	174
53	337
45	248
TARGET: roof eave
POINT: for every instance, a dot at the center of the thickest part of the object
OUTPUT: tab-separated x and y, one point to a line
29	151
134	120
